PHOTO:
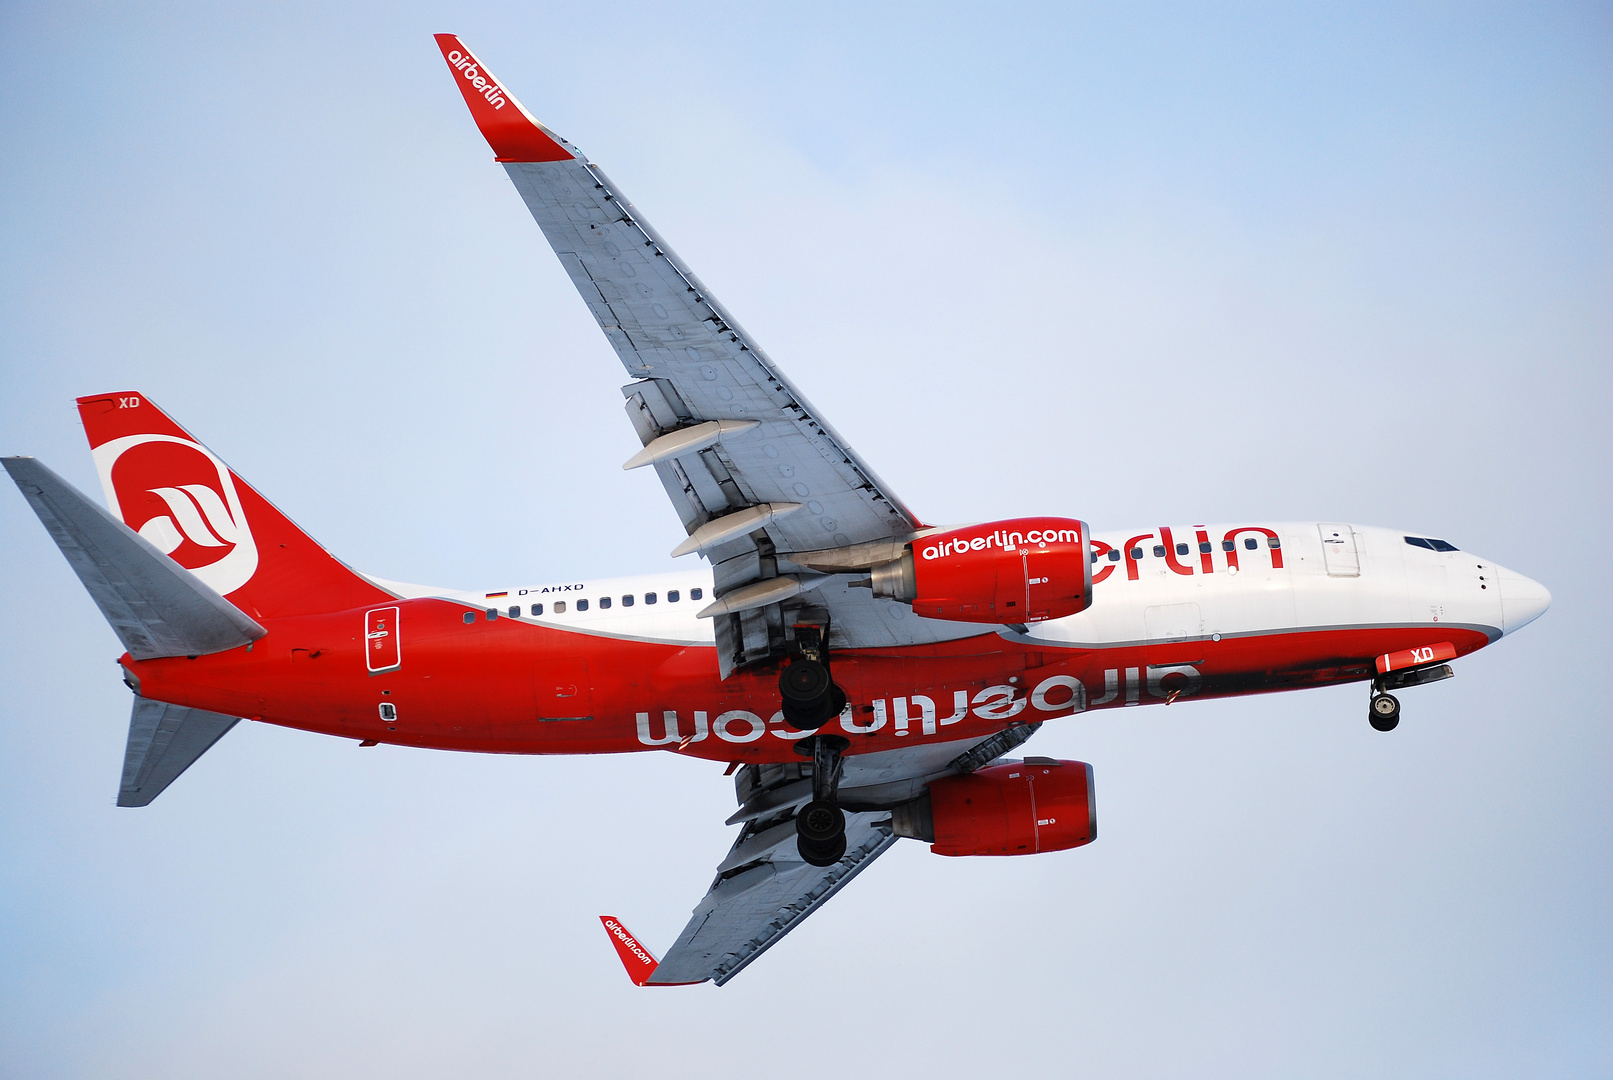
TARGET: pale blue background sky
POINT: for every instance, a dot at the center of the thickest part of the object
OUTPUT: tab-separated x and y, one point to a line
1139	265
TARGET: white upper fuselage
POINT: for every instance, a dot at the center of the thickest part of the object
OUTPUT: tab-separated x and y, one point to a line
1367	576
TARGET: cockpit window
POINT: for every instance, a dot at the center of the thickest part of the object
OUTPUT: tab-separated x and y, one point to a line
1430	544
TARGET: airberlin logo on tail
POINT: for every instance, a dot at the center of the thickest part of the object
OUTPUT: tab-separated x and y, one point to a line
488	88
182	499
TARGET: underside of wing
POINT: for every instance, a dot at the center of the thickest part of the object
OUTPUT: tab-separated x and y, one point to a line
754	471
764	888
762	892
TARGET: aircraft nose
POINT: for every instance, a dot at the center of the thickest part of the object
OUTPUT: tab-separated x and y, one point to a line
1522	601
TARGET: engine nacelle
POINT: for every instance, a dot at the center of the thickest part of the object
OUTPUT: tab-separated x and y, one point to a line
1019	571
1020	808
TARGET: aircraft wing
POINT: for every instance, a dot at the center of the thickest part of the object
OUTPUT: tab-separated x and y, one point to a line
764	889
755	472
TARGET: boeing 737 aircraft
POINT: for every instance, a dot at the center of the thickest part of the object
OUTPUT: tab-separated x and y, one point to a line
863	673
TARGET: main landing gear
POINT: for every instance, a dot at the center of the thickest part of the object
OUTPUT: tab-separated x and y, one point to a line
820	825
811	700
1383	712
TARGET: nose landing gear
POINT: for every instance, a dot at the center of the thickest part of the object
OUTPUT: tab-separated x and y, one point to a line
1383	712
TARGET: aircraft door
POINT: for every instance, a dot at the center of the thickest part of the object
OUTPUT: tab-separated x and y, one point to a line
383	649
1339	554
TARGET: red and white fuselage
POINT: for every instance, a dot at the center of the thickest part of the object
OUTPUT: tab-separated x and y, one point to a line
624	664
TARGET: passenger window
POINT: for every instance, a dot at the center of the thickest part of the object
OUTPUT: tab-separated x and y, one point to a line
1137	553
649	598
537	609
1251	543
1114	556
1204	547
604	602
695	594
1228	545
1159	551
1094	557
672	596
515	611
582	605
1272	541
1181	549
492	613
627	601
559	607
470	617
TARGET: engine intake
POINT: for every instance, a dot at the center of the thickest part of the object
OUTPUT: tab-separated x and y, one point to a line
1020	571
1019	808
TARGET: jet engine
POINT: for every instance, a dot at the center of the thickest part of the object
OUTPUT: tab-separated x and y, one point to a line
1019	571
1020	808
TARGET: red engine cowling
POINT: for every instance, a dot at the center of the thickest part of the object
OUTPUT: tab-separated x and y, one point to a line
1017	809
1019	571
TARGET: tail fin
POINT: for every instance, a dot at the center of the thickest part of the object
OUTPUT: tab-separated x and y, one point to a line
176	493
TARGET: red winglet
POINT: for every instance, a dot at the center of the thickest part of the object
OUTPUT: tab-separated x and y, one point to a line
508	128
1410	658
638	961
636	958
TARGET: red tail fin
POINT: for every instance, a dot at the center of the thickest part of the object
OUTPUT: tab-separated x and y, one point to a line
177	494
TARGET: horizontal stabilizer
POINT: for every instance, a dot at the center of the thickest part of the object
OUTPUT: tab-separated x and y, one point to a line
156	607
164	741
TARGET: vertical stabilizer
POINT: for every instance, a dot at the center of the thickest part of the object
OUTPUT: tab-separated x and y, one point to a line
190	506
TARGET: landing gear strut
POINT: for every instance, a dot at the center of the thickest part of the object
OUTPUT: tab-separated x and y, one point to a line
1384	711
811	700
820	825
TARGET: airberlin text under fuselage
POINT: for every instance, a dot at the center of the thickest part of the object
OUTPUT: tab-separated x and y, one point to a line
522	685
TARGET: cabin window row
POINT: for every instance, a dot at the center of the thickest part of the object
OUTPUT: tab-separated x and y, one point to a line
673	596
1205	547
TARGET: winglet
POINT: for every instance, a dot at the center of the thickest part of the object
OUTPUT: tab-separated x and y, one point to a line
636	958
508	128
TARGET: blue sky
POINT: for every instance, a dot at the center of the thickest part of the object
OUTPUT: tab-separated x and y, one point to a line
1133	264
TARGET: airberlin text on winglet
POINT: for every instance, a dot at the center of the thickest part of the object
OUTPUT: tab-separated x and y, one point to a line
466	66
635	958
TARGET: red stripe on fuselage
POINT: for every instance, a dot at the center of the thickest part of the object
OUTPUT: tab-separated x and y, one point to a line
513	686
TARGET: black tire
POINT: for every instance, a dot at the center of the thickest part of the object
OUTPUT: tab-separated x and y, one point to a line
1383	712
819	823
822	854
809	695
805	683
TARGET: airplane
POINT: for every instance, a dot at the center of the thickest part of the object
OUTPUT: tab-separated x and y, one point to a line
863	674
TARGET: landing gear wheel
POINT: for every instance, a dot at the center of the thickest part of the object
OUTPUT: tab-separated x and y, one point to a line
820	833
809	694
822	855
820	822
1384	712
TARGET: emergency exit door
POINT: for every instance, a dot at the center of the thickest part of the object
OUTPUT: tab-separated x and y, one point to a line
383	651
1339	555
